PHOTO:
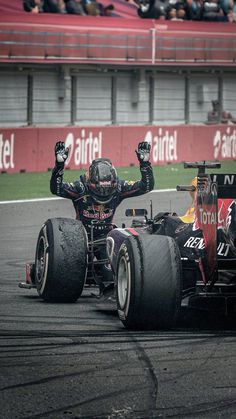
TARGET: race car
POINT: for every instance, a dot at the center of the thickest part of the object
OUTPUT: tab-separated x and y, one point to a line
169	259
156	263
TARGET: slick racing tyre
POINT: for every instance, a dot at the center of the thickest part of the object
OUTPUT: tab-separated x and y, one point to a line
61	260
149	282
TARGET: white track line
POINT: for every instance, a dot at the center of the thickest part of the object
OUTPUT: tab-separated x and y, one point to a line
23	201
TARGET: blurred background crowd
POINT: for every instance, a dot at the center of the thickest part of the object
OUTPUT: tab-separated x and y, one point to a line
76	7
197	10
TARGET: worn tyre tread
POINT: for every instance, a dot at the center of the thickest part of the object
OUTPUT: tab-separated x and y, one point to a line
67	265
156	284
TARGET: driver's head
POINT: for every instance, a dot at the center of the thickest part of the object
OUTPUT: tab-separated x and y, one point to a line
102	180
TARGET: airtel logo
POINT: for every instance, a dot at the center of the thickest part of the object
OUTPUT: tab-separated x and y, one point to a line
7	153
85	148
164	145
225	144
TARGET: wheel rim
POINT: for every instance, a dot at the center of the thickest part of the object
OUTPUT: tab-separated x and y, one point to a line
41	263
123	282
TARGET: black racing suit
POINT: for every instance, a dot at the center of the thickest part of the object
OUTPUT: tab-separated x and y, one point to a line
87	209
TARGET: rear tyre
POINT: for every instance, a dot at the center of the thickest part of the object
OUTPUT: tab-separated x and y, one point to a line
149	282
61	260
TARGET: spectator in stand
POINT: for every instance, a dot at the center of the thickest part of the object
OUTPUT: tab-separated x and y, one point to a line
216	116
176	10
62	6
74	7
198	10
52	6
106	10
32	6
91	7
212	12
146	9
194	9
228	8
162	9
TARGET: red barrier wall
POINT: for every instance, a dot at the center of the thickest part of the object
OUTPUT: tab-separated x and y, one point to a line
60	38
31	149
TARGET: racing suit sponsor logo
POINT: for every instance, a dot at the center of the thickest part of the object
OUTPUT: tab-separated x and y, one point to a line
225	144
59	181
198	243
85	148
91	212
129	182
164	145
7	153
105	183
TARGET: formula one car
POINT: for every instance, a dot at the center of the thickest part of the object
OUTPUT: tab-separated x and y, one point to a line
156	264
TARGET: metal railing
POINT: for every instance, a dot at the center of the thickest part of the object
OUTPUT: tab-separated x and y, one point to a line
95	45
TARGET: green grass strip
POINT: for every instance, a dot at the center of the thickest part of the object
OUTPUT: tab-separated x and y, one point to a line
36	185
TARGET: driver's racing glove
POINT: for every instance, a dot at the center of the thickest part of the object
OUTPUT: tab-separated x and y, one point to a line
143	152
61	153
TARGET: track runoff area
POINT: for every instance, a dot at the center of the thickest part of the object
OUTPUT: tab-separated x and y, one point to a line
22	201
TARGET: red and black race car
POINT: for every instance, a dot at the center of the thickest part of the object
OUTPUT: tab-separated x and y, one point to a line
156	264
170	258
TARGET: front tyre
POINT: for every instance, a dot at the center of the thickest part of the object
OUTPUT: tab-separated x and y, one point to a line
61	260
148	282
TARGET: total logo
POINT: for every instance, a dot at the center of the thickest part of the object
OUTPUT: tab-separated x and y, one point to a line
84	149
225	143
207	217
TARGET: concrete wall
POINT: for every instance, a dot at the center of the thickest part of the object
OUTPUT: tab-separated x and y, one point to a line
53	96
13	99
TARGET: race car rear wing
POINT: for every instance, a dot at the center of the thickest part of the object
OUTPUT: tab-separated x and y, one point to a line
209	189
202	165
226	184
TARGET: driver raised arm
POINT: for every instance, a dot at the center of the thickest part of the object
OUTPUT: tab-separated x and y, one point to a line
97	193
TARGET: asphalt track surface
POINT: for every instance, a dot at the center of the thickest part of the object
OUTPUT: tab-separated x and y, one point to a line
77	361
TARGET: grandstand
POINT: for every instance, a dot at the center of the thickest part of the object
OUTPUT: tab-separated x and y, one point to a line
123	8
48	37
106	81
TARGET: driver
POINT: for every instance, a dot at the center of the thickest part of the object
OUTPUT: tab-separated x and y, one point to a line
97	193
